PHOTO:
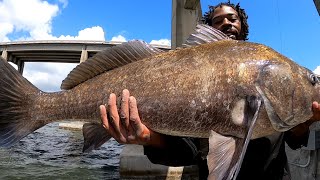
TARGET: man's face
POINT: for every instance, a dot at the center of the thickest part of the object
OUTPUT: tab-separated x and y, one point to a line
227	20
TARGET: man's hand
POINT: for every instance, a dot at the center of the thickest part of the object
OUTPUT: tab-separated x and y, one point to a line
316	111
302	129
126	126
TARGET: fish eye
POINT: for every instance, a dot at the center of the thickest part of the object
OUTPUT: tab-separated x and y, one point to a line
313	78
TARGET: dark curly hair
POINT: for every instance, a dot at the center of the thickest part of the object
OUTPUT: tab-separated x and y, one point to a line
207	17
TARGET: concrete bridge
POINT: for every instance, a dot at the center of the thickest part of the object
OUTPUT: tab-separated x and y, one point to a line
65	51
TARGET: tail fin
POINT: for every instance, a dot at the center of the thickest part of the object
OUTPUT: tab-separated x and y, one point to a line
16	98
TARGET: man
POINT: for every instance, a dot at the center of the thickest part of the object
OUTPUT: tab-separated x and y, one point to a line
261	160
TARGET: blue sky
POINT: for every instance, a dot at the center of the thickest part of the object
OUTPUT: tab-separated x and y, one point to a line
290	27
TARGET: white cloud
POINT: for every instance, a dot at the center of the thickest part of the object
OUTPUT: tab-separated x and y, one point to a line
47	76
317	70
5	29
34	18
166	42
93	33
118	38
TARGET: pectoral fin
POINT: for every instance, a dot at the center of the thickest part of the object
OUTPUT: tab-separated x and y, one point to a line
222	150
226	154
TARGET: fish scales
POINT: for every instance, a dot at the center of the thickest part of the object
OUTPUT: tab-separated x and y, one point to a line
188	92
179	93
156	82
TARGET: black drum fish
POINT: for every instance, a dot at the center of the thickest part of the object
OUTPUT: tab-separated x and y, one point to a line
227	88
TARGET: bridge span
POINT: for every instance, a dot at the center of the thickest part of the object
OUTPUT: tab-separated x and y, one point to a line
63	51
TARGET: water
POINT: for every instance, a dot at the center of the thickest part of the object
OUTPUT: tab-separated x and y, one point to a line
55	153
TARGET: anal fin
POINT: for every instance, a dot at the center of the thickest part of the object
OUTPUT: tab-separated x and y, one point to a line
94	136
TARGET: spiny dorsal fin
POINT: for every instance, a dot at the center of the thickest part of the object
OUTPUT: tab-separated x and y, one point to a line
204	34
108	59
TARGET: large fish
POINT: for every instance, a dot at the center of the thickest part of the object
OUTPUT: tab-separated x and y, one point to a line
229	89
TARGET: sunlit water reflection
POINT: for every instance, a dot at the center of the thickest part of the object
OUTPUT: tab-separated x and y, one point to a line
55	153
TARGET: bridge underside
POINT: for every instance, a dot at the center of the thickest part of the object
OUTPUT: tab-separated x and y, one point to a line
53	51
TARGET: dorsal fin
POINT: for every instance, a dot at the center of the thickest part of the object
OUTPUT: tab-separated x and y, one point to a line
108	59
204	34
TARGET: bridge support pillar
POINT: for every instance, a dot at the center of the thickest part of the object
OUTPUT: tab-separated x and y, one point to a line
20	65
185	16
4	55
84	54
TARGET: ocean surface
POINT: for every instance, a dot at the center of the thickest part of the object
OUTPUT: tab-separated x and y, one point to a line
55	153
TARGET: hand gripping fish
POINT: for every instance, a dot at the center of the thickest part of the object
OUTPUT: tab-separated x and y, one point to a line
225	90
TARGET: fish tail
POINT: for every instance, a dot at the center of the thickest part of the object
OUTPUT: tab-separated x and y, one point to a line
16	101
